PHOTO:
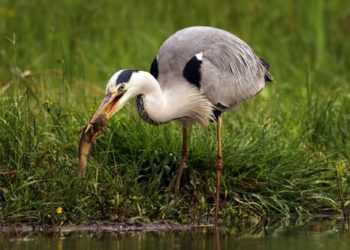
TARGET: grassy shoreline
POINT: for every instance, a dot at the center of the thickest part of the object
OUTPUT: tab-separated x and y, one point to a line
286	151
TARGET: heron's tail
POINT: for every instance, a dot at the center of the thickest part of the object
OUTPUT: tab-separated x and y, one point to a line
268	76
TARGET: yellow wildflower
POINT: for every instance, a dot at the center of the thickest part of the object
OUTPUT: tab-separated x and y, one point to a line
59	210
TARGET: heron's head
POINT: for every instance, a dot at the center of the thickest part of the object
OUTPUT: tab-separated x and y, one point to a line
121	87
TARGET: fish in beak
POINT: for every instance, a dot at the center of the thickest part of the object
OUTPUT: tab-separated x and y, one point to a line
108	107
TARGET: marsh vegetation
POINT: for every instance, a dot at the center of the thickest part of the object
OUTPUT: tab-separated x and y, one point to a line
286	151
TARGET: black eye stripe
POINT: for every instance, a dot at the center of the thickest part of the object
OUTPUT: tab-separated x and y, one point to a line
125	76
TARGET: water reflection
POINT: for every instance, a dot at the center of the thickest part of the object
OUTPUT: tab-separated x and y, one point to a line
301	235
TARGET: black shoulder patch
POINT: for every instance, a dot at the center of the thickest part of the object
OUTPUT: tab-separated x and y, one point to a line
265	63
192	71
154	68
268	77
125	76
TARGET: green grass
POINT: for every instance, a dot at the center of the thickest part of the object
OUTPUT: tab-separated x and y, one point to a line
286	151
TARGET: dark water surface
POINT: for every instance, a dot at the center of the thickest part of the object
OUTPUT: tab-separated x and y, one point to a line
305	237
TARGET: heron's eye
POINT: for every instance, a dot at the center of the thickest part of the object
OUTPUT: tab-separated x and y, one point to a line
121	87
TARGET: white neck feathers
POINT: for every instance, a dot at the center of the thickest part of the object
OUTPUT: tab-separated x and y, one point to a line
178	100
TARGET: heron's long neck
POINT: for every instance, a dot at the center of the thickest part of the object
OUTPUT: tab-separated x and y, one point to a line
175	101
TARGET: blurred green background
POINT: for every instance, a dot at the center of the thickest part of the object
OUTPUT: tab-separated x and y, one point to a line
286	151
90	40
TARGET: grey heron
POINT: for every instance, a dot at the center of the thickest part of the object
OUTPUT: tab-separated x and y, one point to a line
198	73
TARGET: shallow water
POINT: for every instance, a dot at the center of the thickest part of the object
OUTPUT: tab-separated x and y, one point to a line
320	235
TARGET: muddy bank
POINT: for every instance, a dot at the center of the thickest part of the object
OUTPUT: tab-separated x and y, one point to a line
100	227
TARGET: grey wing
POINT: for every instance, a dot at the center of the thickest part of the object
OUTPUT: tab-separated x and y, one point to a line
231	73
221	65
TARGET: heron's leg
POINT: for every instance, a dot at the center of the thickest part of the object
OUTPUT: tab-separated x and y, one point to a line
185	154
219	167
